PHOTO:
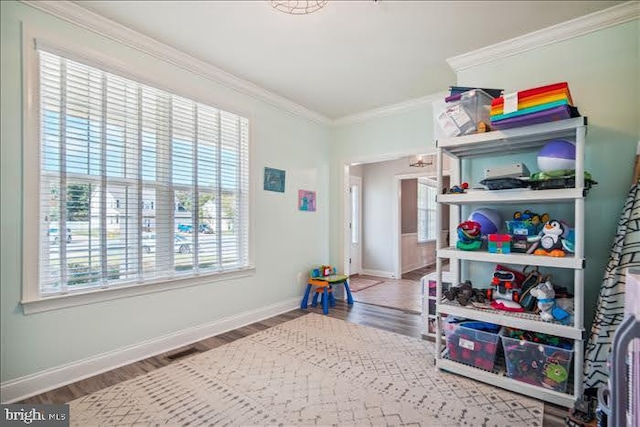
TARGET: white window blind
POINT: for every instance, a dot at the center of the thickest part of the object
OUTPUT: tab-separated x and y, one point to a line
426	210
137	185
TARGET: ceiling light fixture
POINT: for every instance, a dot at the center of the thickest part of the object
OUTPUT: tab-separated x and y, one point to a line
298	7
420	161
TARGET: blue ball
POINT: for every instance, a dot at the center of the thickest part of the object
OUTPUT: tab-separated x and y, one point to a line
489	220
557	154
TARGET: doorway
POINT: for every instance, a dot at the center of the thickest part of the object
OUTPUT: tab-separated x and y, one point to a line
372	233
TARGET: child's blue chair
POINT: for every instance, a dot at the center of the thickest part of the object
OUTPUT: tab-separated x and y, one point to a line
323	278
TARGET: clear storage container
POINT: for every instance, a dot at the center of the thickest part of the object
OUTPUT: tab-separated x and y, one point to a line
536	363
473	343
462	117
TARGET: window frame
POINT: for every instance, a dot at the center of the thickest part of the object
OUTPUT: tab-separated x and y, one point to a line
32	301
429	183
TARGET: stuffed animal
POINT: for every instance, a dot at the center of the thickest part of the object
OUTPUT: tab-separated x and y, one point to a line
547	302
550	239
546	299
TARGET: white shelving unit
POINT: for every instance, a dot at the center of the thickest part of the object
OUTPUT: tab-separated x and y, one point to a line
524	139
429	302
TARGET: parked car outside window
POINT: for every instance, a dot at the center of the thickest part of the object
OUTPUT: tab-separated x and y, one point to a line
54	235
202	228
206	229
185	228
182	245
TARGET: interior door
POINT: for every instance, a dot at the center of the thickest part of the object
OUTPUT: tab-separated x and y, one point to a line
355	225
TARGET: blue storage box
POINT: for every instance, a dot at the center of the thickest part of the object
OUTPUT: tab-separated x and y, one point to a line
473	343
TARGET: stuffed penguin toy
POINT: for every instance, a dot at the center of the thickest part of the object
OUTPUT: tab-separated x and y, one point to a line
550	242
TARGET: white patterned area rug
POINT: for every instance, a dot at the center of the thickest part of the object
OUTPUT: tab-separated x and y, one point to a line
314	370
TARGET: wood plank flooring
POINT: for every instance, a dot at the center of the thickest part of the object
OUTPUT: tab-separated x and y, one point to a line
418	273
397	321
403	294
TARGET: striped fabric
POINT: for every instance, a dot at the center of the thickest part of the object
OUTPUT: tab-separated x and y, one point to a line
610	309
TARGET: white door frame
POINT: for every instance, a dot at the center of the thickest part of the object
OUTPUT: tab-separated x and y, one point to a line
346	216
454	172
397	224
358	182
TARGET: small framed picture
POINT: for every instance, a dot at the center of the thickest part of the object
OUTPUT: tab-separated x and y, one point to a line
307	200
274	179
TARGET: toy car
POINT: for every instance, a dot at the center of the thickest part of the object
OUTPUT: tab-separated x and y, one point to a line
458	189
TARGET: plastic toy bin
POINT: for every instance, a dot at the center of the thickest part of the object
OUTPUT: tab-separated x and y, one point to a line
499	243
522	228
519	231
536	363
473	343
461	117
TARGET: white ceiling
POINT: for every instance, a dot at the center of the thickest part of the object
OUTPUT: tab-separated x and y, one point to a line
349	57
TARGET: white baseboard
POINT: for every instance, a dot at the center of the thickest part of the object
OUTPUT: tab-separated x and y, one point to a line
50	379
379	273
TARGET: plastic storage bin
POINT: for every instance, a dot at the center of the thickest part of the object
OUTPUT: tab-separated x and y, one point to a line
522	228
535	363
519	231
499	244
463	116
473	343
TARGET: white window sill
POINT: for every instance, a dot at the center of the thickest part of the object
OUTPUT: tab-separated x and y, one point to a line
106	294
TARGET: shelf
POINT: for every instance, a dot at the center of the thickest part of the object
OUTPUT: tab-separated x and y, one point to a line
499	379
512	196
525	321
526	139
510	140
513	258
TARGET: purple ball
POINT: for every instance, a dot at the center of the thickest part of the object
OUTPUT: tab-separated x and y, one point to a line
488	219
557	154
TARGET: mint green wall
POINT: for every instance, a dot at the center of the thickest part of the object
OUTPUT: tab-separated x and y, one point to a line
33	343
603	72
377	139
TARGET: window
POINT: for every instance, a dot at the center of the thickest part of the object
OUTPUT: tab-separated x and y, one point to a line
426	210
149	186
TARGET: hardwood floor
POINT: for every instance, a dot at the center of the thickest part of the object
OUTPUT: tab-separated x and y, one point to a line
392	320
402	294
418	273
405	295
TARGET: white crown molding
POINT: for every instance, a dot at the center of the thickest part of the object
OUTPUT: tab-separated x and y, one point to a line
389	110
619	14
105	27
50	379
